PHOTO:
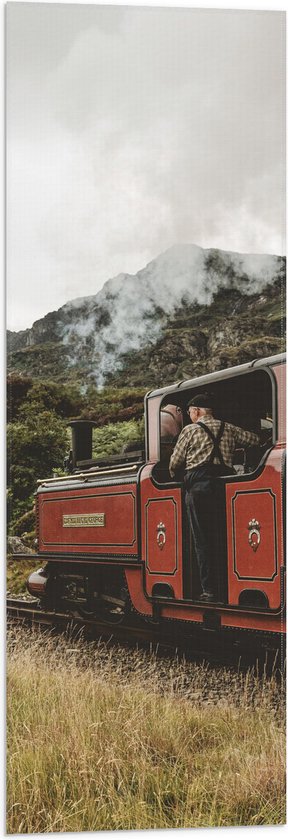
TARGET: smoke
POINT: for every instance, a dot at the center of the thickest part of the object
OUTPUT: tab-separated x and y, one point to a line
130	310
130	128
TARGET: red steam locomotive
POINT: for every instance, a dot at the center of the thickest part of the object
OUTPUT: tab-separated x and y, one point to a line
113	536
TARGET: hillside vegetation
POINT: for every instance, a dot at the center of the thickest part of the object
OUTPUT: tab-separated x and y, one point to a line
192	339
53	368
197	339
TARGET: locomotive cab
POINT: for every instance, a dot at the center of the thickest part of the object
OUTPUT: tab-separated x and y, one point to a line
247	541
245	402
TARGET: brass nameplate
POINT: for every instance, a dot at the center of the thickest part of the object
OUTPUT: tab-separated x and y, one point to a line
84	520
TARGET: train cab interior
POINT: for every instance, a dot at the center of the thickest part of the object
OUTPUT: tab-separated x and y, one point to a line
246	400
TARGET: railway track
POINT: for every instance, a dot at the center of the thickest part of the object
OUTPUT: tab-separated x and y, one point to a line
30	612
199	646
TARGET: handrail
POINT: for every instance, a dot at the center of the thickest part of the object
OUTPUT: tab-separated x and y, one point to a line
86	474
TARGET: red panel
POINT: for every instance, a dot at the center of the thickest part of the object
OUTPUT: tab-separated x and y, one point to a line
134	579
117	536
161	507
161	544
258	499
259	561
245	621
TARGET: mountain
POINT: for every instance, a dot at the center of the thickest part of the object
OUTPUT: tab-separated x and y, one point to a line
189	310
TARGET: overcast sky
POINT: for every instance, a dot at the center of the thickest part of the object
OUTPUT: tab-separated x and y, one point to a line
130	130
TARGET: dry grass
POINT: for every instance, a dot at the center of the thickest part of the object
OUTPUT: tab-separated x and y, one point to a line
104	738
17	573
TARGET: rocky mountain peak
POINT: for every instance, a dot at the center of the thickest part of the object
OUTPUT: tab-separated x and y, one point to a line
132	312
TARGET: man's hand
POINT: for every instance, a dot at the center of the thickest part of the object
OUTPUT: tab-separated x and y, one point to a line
265	437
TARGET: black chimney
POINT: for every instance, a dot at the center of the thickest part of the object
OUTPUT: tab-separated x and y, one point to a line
81	440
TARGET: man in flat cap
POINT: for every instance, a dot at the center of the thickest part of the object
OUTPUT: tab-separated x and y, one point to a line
205	449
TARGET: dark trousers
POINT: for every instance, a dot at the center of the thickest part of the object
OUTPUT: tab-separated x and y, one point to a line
200	485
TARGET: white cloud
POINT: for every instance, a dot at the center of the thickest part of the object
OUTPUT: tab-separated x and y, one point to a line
130	130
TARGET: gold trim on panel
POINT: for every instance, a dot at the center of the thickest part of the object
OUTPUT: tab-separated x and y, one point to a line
84	520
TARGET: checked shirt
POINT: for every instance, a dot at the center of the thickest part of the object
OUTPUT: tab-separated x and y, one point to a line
194	447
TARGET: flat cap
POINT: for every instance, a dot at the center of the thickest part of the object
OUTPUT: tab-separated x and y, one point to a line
200	401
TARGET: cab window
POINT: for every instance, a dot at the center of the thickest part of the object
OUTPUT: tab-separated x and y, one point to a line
245	400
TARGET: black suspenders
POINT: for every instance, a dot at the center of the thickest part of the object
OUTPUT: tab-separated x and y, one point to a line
216	452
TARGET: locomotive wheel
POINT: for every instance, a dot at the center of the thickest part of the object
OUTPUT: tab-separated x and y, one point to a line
85	612
103	613
115	609
103	610
92	598
113	616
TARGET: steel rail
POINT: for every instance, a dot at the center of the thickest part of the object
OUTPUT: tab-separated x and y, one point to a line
30	612
197	646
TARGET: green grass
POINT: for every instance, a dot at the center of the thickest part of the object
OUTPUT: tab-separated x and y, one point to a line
103	738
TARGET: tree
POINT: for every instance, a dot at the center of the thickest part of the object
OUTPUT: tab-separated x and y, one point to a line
65	401
18	387
36	446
